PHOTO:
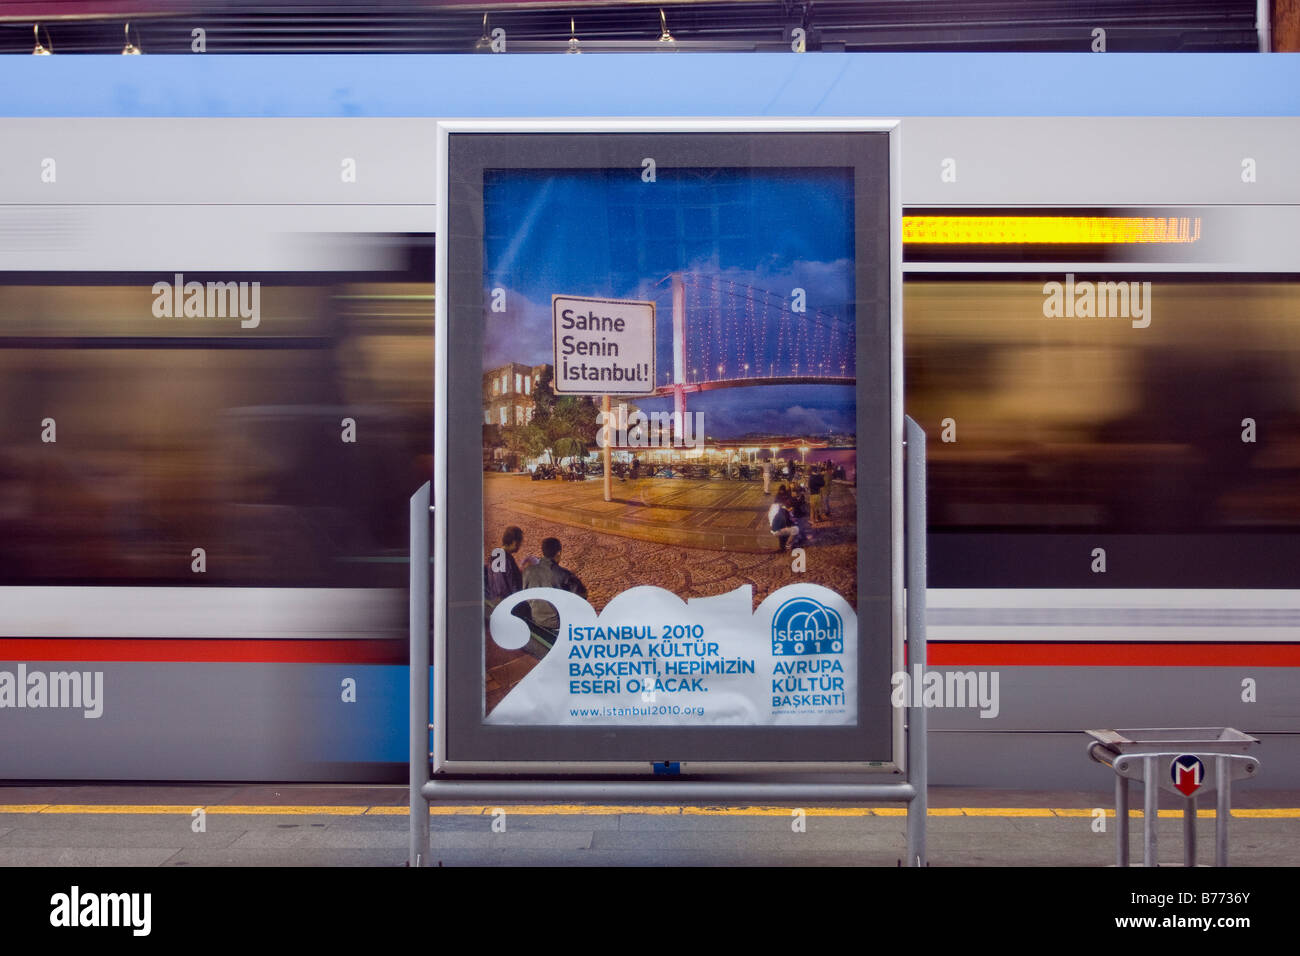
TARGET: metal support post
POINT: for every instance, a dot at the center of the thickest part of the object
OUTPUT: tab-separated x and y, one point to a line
915	583
1222	811
419	713
1150	813
1121	820
1189	832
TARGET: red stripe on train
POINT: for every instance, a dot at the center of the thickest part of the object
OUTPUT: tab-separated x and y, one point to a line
941	654
1012	654
203	650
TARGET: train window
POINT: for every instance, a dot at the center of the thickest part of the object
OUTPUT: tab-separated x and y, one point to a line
1178	429
285	450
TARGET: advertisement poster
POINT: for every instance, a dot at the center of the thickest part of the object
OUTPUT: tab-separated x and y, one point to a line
669	447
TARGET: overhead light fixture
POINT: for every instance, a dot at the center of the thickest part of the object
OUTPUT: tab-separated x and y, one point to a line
665	36
573	38
484	44
131	49
799	29
42	49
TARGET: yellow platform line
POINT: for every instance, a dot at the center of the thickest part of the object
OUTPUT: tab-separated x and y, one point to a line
286	810
138	809
1278	813
122	808
1138	814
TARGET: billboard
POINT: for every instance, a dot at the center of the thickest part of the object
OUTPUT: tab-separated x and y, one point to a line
669	359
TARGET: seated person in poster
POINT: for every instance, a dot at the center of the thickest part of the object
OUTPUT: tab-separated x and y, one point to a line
782	522
798	506
547	573
501	575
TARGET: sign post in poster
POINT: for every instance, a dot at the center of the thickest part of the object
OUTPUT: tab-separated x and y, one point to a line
605	347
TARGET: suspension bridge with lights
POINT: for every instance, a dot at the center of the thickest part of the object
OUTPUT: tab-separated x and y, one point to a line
729	334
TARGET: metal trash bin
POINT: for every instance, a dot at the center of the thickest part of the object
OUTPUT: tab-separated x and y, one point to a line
1174	758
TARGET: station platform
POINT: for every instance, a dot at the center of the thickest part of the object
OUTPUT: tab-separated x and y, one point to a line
351	825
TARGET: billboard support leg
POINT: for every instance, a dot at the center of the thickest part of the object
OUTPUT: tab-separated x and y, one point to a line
1223	805
1150	814
1121	820
915	584
419	712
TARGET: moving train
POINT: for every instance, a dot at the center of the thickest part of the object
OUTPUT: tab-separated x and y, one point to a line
1114	490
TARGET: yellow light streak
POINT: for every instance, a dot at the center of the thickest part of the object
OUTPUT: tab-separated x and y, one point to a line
1049	230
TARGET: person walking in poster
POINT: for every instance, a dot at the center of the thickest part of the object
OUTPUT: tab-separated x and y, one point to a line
547	573
816	482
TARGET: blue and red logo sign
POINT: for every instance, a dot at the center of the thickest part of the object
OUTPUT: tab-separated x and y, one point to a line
1187	773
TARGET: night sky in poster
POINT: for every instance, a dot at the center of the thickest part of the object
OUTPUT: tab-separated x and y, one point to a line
744	238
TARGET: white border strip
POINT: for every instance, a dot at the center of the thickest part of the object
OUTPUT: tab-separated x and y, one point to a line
227	613
1070	614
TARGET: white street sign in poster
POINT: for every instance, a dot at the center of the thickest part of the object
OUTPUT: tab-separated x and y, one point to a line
603	346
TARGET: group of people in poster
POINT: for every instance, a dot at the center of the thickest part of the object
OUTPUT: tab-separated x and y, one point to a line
796	507
802	497
503	577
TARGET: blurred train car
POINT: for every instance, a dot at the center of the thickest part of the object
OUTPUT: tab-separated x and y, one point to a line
203	516
1114	503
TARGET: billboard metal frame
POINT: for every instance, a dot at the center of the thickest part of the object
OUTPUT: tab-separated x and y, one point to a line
913	790
708	142
448	779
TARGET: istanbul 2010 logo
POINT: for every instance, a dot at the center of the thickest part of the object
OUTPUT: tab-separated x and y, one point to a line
804	626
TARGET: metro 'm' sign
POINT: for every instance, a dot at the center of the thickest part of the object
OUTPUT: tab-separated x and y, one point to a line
1187	772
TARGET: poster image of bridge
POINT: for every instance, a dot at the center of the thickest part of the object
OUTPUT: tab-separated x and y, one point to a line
736	466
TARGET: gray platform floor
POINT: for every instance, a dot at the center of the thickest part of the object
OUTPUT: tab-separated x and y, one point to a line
297	825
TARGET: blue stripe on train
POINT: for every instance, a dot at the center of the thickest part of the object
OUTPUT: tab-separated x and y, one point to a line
697	84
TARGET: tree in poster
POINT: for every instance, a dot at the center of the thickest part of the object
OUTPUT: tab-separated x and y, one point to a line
524	441
564	422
